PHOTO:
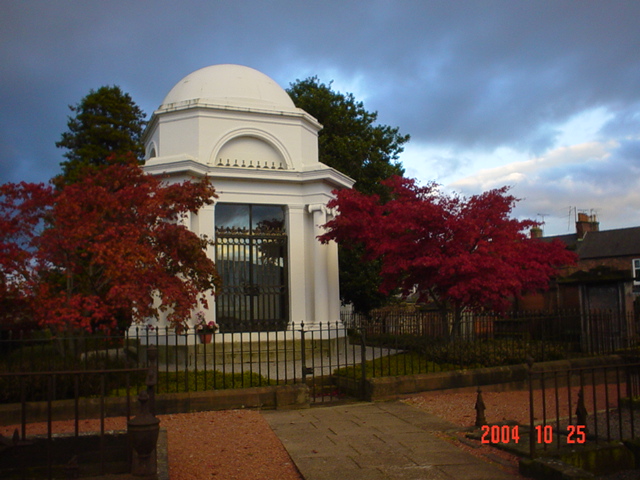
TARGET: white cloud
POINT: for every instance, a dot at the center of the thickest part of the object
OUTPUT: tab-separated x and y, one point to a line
599	177
530	171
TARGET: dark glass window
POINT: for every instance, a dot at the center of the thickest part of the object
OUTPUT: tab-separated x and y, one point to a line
251	257
238	218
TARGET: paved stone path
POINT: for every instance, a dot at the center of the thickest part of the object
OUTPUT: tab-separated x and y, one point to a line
375	441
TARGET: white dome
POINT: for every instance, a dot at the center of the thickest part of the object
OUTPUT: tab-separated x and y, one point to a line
230	85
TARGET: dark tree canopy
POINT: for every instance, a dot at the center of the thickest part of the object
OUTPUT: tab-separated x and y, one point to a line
106	122
352	143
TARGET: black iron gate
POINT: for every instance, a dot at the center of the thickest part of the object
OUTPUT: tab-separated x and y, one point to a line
254	294
332	362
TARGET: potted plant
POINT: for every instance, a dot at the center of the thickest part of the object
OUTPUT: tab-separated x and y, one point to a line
204	329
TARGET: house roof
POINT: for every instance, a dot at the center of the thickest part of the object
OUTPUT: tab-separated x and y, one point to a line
570	240
607	243
610	243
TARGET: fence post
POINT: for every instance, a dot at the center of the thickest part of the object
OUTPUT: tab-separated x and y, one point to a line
49	426
303	356
480	407
143	433
143	430
23	408
363	365
152	377
532	435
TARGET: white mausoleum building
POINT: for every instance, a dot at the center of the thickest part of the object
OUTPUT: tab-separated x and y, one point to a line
240	128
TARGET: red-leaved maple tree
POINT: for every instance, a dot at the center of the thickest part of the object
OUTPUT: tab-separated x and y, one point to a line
106	251
22	209
458	253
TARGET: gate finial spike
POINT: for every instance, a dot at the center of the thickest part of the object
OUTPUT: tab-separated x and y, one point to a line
581	410
480	408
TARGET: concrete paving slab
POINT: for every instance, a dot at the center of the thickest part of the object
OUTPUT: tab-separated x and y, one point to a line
414	472
382	461
482	471
372	441
323	468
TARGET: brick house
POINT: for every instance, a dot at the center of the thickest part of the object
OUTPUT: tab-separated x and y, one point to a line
599	296
606	277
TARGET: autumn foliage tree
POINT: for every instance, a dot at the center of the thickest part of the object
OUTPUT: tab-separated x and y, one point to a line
457	253
22	209
107	250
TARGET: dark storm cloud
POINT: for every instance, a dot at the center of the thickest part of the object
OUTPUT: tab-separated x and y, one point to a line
507	76
462	74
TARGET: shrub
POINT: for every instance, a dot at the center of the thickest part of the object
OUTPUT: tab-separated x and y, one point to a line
46	355
409	354
176	382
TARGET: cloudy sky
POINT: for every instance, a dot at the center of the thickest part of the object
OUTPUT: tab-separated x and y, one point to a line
543	96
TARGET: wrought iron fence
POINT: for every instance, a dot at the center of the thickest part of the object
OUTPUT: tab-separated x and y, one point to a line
583	406
590	405
24	454
36	366
388	342
191	361
584	332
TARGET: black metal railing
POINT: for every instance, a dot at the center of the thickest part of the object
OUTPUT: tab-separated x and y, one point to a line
585	332
190	361
582	406
30	412
389	342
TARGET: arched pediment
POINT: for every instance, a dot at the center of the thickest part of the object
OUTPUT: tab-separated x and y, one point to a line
250	149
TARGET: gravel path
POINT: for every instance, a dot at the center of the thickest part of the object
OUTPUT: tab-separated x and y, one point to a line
459	408
230	444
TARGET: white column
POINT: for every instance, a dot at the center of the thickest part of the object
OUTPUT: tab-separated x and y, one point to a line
333	276
297	264
206	226
320	261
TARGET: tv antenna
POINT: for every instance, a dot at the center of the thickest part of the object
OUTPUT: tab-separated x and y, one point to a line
542	215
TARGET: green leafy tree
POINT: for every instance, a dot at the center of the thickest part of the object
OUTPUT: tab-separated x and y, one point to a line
352	143
350	140
105	123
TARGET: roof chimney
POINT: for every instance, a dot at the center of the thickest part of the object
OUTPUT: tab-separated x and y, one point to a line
586	223
536	232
